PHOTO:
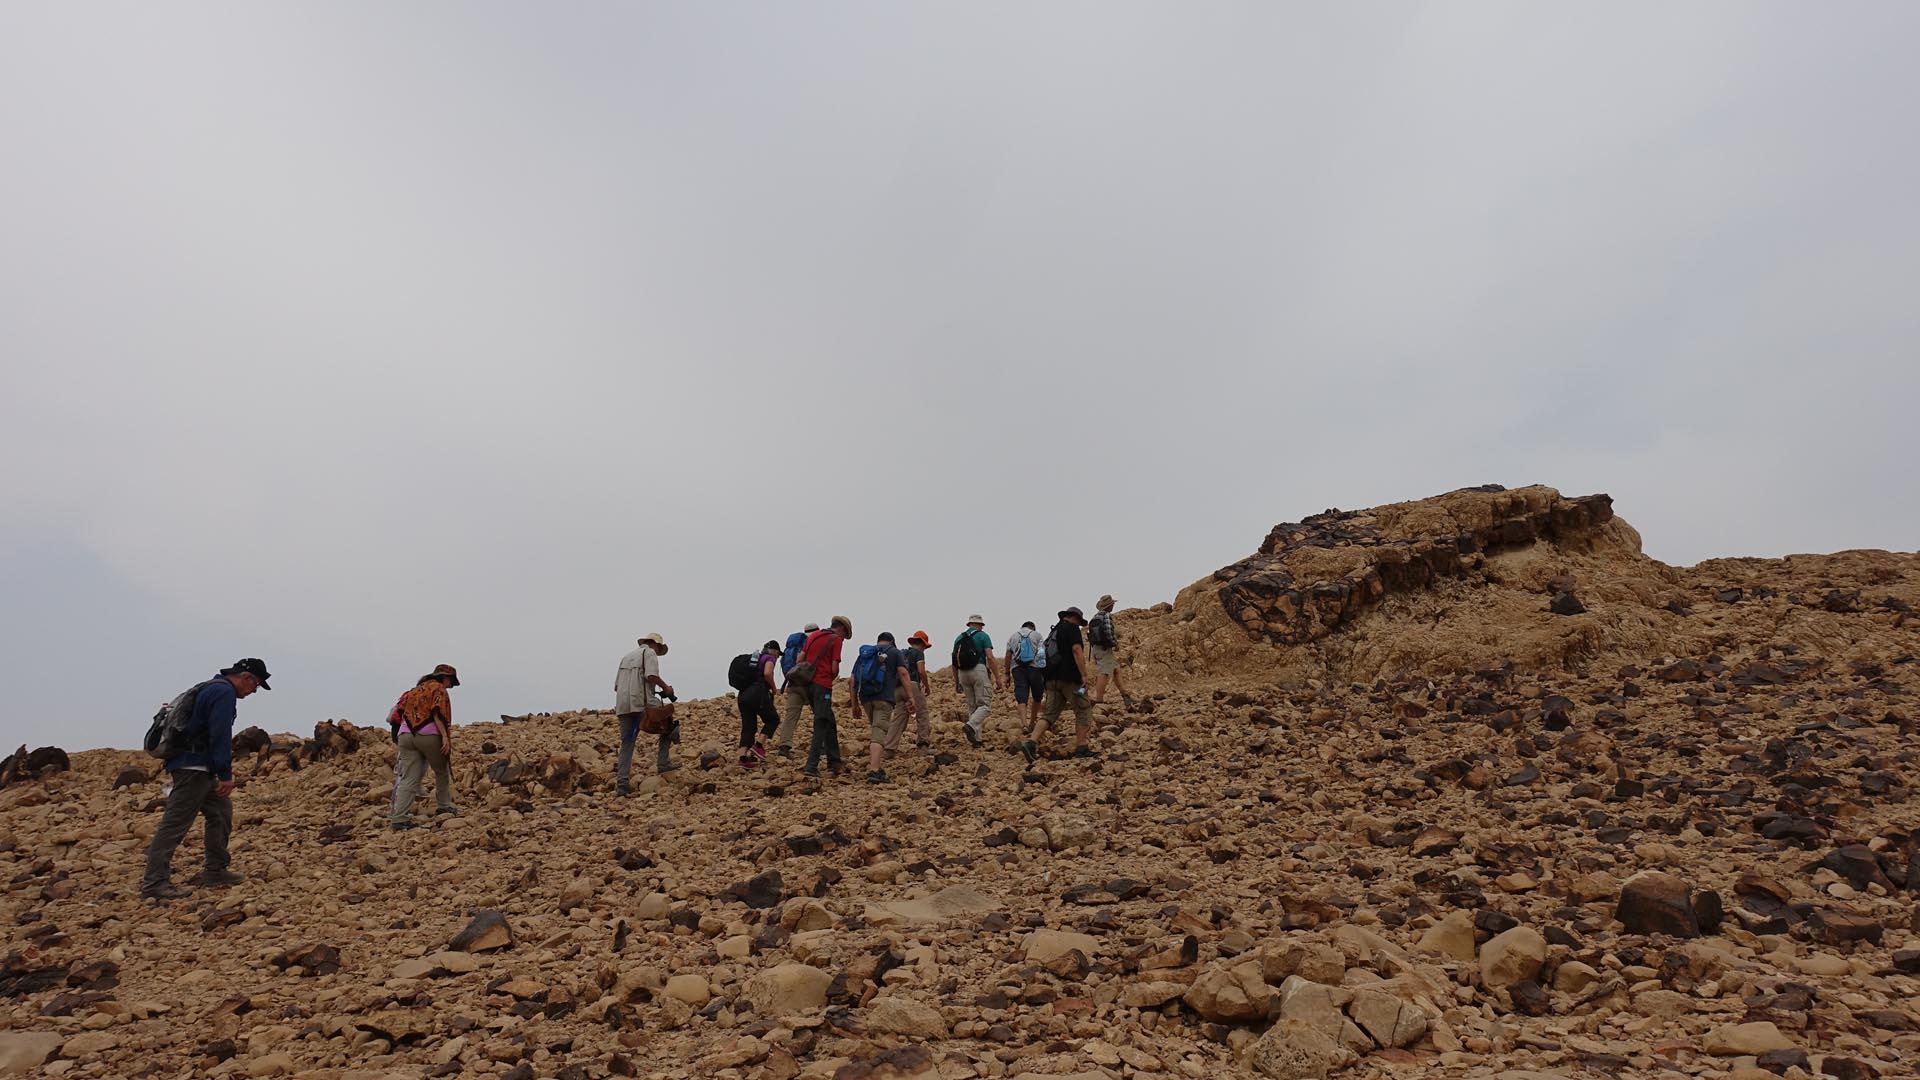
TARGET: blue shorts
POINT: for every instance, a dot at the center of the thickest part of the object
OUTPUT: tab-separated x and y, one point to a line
1028	679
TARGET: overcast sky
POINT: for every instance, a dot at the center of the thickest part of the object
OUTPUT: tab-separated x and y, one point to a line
363	337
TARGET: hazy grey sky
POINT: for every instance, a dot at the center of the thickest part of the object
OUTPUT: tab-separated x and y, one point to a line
362	336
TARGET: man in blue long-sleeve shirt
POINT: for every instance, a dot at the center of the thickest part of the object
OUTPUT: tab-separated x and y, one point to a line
202	781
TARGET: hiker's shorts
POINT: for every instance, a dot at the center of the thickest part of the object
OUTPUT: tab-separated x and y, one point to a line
1105	660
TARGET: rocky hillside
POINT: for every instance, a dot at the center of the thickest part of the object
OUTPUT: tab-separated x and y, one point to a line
1461	787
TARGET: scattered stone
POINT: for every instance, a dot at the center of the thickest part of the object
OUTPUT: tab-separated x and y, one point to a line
1512	957
1755	1037
487	931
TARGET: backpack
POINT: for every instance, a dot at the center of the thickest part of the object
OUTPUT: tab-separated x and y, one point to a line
167	735
393	717
804	668
1052	645
744	671
1100	630
1028	650
791	654
870	671
966	651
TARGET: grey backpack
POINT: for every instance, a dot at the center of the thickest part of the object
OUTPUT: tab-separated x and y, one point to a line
167	735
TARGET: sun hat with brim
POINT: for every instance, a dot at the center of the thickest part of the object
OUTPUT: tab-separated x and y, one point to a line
1075	612
1104	602
453	677
842	621
975	620
657	641
919	637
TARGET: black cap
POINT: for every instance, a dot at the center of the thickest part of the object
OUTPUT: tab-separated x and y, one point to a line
885	635
253	666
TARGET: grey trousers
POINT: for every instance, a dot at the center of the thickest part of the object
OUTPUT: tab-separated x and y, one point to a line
630	734
192	797
976	686
416	753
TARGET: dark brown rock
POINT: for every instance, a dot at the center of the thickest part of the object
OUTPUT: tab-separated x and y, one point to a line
1838	928
1656	903
130	776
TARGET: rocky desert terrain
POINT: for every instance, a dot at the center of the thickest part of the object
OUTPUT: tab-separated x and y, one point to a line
1462	787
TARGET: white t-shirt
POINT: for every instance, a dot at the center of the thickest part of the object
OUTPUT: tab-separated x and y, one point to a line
631	691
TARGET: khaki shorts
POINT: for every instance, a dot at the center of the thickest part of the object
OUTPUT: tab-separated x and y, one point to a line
879	719
1105	660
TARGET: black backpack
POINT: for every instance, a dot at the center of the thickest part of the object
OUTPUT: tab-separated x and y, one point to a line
744	671
1100	630
966	651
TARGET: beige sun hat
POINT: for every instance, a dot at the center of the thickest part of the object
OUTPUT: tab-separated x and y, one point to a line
658	642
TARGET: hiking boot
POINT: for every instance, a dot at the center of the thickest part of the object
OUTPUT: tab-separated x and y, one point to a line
1084	752
1030	750
165	892
973	737
622	790
669	767
786	752
1126	700
878	777
218	879
399	825
811	771
921	744
447	811
835	768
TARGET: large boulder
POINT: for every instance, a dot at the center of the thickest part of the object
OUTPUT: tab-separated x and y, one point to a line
788	989
1233	995
1655	903
895	1015
1512	956
23	1052
1293	1050
1451	936
1043	945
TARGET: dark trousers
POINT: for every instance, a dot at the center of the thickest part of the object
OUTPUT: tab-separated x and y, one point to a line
826	731
756	703
192	797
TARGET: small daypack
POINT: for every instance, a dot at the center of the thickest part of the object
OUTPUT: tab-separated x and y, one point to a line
167	735
1029	649
1100	630
804	668
744	671
791	654
1052	645
966	651
870	671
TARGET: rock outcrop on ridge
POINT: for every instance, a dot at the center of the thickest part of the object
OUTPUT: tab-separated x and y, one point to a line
1457	788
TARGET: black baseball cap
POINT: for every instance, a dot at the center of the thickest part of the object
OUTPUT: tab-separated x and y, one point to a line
253	666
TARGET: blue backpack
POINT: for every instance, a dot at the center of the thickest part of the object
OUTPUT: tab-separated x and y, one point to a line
1030	651
791	655
870	671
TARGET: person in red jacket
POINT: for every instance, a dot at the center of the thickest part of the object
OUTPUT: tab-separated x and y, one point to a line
822	651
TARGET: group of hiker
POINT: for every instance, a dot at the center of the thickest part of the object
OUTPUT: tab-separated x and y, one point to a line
1068	667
